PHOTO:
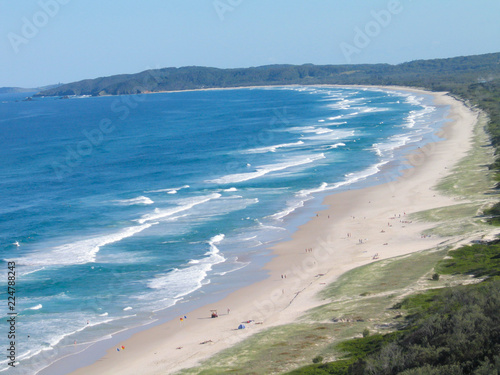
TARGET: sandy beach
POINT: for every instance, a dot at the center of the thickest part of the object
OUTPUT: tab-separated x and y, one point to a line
356	228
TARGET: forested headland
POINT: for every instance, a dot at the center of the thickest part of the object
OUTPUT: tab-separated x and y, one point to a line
436	74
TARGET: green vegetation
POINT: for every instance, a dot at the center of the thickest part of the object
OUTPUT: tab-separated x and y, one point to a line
269	352
383	276
471	177
494	214
318	359
478	260
447	331
354	350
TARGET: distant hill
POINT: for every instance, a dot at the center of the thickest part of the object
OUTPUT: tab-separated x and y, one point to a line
425	73
13	90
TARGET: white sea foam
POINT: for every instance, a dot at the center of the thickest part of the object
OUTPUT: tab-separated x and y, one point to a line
336	123
127	308
272	227
262	150
237	265
306	192
311	129
332	135
37	307
298	129
361	175
335	117
385	149
343	104
266	169
249	238
182	281
373	109
291	208
336	145
412	99
349	179
257	244
169	190
216	239
415	116
31	271
183	205
134	201
79	252
322	131
59	336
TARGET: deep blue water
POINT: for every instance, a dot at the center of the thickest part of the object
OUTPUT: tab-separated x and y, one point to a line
125	206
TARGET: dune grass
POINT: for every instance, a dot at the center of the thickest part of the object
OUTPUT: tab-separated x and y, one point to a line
471	178
471	184
269	352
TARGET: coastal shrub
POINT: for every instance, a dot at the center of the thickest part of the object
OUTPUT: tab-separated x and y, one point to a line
458	333
494	212
366	332
418	302
435	277
318	359
341	367
478	260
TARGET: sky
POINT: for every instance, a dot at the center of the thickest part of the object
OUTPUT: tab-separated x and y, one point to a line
45	42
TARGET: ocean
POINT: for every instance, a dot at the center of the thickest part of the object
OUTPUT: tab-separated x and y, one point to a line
119	211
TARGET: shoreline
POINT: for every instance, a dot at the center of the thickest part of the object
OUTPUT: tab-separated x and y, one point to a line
399	88
296	275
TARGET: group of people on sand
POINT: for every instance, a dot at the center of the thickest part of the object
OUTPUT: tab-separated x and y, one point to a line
309	250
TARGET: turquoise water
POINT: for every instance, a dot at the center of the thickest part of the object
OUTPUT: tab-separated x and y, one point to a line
117	208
